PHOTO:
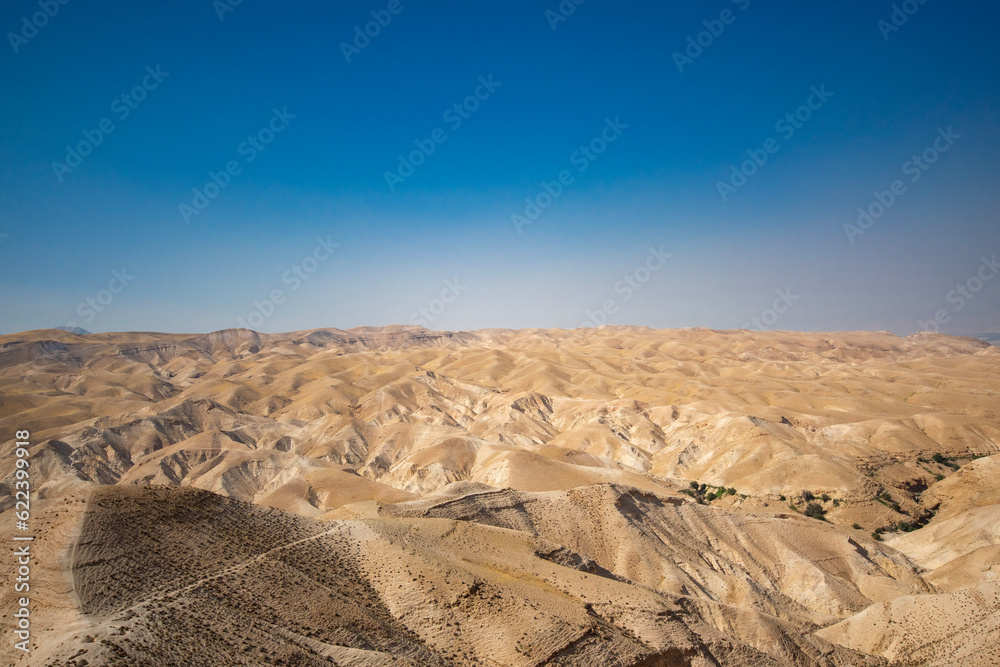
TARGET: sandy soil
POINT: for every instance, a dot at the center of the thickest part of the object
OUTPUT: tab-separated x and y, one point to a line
617	496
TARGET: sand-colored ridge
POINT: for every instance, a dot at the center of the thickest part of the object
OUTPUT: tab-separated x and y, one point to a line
610	496
959	628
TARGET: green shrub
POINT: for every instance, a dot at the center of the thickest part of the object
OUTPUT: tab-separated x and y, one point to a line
855	526
815	510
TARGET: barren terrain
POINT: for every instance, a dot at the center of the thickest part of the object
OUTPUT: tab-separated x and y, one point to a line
612	496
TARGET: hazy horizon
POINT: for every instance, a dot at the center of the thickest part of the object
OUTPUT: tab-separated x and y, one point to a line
989	337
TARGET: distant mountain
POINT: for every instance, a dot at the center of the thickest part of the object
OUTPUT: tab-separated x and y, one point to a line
76	330
991	338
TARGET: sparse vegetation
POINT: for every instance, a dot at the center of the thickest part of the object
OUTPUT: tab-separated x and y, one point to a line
816	511
703	493
884	498
944	460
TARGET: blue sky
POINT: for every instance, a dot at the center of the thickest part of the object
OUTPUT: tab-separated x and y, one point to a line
643	138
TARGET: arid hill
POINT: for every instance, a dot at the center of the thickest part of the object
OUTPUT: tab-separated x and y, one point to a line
614	496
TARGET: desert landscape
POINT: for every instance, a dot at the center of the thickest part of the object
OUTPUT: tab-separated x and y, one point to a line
500	334
612	496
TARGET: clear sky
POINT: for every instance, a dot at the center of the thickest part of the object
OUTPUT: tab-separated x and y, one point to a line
193	166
